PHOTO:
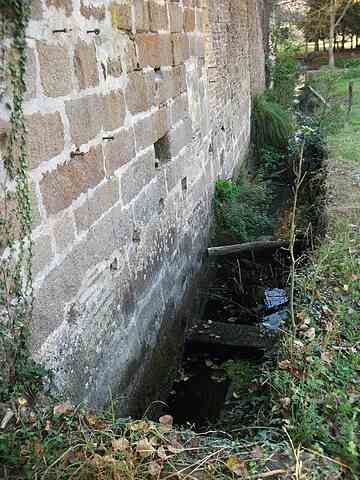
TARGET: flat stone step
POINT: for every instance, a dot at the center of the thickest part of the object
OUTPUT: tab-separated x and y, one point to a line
233	335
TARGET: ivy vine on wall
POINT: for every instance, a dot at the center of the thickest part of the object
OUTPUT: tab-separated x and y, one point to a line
16	367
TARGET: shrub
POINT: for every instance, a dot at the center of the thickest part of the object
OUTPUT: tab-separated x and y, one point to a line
241	210
271	161
271	125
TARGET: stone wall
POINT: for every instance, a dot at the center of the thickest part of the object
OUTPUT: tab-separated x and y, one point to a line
133	109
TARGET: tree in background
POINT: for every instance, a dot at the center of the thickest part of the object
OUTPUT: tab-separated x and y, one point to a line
326	19
338	10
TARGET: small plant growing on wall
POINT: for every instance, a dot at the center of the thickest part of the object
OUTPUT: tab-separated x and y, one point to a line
16	368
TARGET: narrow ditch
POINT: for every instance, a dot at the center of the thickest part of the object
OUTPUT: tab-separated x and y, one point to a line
239	318
240	314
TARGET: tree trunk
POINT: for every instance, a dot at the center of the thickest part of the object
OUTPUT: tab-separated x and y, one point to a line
332	34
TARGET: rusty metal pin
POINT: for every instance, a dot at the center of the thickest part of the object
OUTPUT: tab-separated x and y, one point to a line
62	30
96	31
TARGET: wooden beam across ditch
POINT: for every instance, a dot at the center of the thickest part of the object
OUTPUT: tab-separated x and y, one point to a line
247	247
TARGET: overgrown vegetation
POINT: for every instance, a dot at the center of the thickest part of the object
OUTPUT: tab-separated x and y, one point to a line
285	69
271	124
313	385
315	388
241	210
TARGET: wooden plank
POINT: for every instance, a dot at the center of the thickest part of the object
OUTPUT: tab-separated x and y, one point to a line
247	247
233	335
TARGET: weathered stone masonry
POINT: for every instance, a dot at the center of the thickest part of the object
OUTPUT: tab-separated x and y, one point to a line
132	114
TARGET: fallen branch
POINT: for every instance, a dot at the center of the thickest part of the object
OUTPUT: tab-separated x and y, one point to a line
246	247
318	95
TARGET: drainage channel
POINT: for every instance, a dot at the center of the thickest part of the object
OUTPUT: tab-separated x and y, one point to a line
240	314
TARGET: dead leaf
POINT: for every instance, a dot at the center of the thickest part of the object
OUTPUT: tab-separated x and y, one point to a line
326	357
22	402
161	453
310	334
141	426
300	316
95	422
120	444
285	403
63	408
154	469
236	465
284	365
38	448
108	459
304	324
154	441
166	422
144	448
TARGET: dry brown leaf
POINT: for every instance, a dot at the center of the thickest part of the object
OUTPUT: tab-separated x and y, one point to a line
154	469
304	324
300	316
63	408
298	345
166	422
161	453
38	448
285	403
120	444
235	465
310	334
141	426
144	448
107	459
284	365
326	357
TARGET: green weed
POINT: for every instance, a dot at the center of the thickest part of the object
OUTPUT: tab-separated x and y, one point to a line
271	124
241	210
